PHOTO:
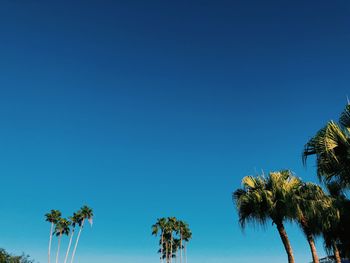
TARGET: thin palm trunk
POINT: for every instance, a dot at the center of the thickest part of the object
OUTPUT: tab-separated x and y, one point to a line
58	247
336	253
285	241
76	242
50	240
166	253
180	247
161	248
69	245
171	247
310	240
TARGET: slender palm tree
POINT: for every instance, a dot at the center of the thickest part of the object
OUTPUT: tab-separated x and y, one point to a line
62	228
261	199
85	213
181	229
186	237
75	220
53	217
171	227
311	202
159	226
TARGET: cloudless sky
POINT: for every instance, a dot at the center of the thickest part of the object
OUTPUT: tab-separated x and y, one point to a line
144	109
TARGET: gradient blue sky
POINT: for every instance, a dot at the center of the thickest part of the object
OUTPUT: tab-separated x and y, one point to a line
143	109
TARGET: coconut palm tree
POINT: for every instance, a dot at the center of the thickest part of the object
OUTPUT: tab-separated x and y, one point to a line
159	226
53	217
331	146
85	213
261	199
75	220
62	228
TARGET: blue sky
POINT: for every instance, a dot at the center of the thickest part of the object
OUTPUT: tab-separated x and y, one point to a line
144	109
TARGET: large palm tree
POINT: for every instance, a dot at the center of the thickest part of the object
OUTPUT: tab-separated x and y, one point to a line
331	146
53	217
311	202
336	223
268	198
62	228
85	213
75	220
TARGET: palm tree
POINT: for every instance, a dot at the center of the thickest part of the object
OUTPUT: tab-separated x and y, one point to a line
262	199
52	217
171	227
62	228
181	229
311	202
186	237
75	220
335	225
173	233
160	226
331	146
85	213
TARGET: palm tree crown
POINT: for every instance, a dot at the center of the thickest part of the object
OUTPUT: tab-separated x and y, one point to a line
268	198
53	216
62	227
331	146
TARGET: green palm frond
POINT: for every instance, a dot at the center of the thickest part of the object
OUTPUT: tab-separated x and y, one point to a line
331	146
266	198
344	119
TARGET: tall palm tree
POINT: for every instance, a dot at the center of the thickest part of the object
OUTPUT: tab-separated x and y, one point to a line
261	199
171	227
85	213
75	220
159	226
53	217
311	202
335	223
186	237
331	146
182	229
62	228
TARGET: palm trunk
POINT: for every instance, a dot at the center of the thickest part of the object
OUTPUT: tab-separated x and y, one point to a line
310	240
50	240
285	241
69	245
58	247
76	242
166	253
161	248
336	253
180	247
171	247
